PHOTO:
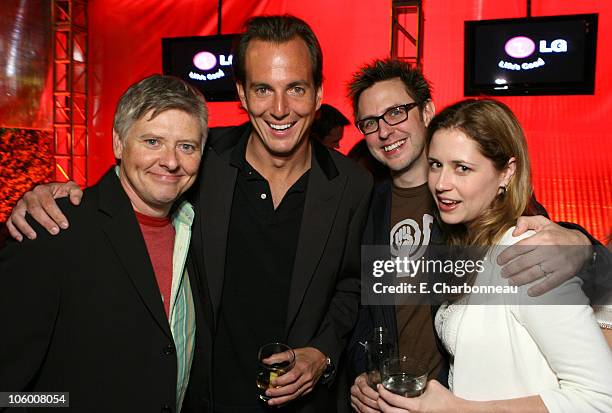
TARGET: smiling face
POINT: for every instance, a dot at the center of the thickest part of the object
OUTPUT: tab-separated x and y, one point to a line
463	182
400	147
160	158
280	96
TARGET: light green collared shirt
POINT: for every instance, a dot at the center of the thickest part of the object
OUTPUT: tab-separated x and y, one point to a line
182	309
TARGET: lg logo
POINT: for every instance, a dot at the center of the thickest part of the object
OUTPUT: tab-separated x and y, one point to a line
521	47
207	60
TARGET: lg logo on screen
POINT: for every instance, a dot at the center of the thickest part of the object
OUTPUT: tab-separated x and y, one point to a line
521	47
207	60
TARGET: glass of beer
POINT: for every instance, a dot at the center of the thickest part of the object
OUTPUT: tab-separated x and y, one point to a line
404	375
275	359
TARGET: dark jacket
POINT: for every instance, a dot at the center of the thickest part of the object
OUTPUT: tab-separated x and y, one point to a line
376	232
81	311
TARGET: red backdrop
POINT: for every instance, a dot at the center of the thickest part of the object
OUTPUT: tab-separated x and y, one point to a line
567	135
125	46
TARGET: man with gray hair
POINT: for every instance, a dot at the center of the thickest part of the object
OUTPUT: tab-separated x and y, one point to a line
106	310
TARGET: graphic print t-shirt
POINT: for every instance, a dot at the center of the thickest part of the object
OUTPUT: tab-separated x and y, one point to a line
411	222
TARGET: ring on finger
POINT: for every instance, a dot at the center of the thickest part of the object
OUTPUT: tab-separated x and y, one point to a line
544	272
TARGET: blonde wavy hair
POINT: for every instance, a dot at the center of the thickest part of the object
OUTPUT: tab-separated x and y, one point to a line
499	136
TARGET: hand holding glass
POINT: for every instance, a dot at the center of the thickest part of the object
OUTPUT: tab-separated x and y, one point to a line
404	375
275	359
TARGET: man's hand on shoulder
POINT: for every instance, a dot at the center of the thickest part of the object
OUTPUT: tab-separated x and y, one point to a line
40	204
554	253
364	399
310	364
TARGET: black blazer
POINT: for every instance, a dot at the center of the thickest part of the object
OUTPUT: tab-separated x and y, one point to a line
324	292
81	311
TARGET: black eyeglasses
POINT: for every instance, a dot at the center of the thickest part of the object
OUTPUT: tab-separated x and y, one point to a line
393	116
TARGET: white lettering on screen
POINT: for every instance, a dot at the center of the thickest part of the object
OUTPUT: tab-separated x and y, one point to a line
524	66
209	76
556	46
226	61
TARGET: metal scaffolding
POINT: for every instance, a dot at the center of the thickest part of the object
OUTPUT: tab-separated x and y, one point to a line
70	89
407	31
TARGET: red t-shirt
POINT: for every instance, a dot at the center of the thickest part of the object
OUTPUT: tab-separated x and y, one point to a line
159	234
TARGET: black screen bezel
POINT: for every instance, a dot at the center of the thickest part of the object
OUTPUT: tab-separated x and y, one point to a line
585	87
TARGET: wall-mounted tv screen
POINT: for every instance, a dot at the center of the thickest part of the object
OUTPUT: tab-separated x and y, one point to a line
203	61
553	55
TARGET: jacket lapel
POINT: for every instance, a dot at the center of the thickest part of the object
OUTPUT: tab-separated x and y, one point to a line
218	182
124	235
323	197
381	207
377	230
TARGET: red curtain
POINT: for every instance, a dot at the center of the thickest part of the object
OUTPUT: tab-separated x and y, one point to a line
568	136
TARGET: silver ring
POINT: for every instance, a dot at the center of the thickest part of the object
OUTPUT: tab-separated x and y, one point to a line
543	271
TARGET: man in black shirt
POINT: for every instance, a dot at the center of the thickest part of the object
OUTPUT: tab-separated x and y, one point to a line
292	214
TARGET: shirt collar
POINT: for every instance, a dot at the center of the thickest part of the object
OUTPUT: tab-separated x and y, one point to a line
182	212
320	155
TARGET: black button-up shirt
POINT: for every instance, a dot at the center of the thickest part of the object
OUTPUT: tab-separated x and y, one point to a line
261	250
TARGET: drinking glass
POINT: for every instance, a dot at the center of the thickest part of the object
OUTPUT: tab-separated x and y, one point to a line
271	369
403	375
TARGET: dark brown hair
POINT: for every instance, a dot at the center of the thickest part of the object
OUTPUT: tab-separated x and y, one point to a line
378	70
278	29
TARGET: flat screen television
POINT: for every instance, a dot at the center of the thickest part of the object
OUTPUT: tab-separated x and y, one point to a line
203	61
553	55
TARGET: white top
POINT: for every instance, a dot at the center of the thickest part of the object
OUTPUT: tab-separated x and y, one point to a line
603	313
523	347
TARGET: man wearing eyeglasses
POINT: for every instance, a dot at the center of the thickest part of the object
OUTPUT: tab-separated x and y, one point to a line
393	106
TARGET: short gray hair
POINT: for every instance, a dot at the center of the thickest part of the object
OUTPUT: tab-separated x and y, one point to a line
159	93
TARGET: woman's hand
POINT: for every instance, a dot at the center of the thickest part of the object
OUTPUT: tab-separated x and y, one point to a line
436	399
